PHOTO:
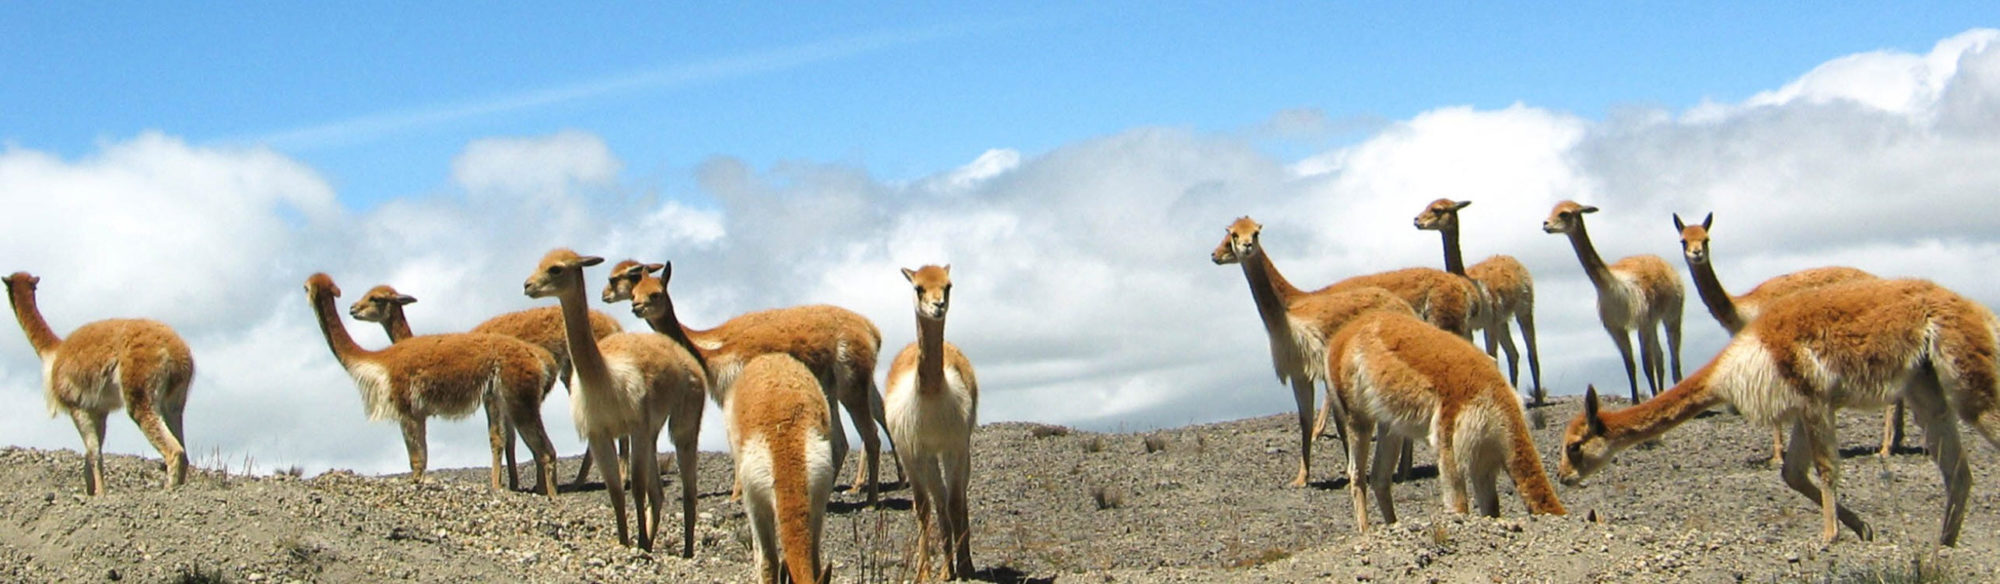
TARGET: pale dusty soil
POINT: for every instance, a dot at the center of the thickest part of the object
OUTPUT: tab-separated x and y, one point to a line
1210	506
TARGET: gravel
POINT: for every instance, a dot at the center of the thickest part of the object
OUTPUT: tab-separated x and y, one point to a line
1195	504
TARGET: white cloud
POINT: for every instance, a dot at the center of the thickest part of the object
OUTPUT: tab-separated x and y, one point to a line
1084	295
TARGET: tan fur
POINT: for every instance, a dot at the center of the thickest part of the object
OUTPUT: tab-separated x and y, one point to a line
140	365
1506	291
624	275
629	385
1635	295
933	406
1420	382
1862	344
780	439
1298	324
541	327
1733	312
838	345
446	375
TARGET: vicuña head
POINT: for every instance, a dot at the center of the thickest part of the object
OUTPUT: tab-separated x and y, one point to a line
1441	215
933	284
624	275
1239	242
1694	239
1566	217
380	304
1585	448
548	280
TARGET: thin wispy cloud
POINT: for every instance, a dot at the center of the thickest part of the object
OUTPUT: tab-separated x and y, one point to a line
373	126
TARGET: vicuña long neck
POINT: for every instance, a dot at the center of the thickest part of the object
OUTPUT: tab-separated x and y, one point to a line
668	323
397	326
1593	265
1656	416
930	356
1720	304
1270	289
1453	261
39	334
584	357
335	331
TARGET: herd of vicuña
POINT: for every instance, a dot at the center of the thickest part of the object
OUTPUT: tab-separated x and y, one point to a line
1393	351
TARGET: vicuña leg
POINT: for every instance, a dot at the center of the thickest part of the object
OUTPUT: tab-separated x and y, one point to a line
1526	318
413	441
1302	395
1357	463
1892	429
1624	343
1926	400
1381	473
607	458
685	430
91	426
958	476
1671	321
1650	358
529	425
1803	450
162	437
1451	478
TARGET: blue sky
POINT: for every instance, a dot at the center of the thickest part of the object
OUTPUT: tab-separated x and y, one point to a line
380	96
1075	163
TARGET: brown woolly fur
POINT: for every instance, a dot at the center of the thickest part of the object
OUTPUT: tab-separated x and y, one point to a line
1298	323
140	365
836	344
628	385
1417	381
1635	295
541	327
933	406
1733	312
780	425
447	375
1862	344
1506	290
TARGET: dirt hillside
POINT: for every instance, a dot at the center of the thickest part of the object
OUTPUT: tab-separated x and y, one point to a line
1196	504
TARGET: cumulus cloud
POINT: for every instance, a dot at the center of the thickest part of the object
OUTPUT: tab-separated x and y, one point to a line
1085	294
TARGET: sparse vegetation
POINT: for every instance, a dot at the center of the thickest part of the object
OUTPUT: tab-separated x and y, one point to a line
1094	445
1917	571
1107	497
1155	443
1047	431
199	574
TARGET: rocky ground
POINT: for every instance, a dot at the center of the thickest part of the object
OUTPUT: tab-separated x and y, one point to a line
1197	504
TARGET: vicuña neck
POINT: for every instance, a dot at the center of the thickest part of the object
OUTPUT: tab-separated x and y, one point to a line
1720	304
335	331
1593	265
397	326
1453	261
930	355
1270	289
1656	416
39	334
668	323
584	358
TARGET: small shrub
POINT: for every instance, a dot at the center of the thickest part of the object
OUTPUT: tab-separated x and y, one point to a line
1047	431
1107	498
1155	443
1260	558
1539	417
1094	445
198	574
1917	572
294	471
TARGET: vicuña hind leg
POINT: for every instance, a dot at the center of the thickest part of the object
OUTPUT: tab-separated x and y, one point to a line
1526	319
1624	343
1358	431
1927	406
1387	444
865	476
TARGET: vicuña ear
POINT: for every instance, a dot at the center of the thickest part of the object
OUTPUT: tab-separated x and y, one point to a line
910	275
1705	221
947	269
1461	205
587	261
655	267
1678	226
1590	411
1587	209
666	270
405	299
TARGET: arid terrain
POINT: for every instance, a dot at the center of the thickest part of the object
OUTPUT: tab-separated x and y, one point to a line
1196	504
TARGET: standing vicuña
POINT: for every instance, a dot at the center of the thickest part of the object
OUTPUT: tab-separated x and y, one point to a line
1422	382
836	344
1506	288
1634	296
780	434
446	375
933	405
1733	311
541	326
1857	345
629	385
137	364
1297	323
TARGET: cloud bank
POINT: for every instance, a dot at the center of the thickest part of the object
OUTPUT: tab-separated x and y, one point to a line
1085	294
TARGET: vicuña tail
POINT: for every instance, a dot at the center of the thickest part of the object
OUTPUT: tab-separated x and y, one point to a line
791	489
